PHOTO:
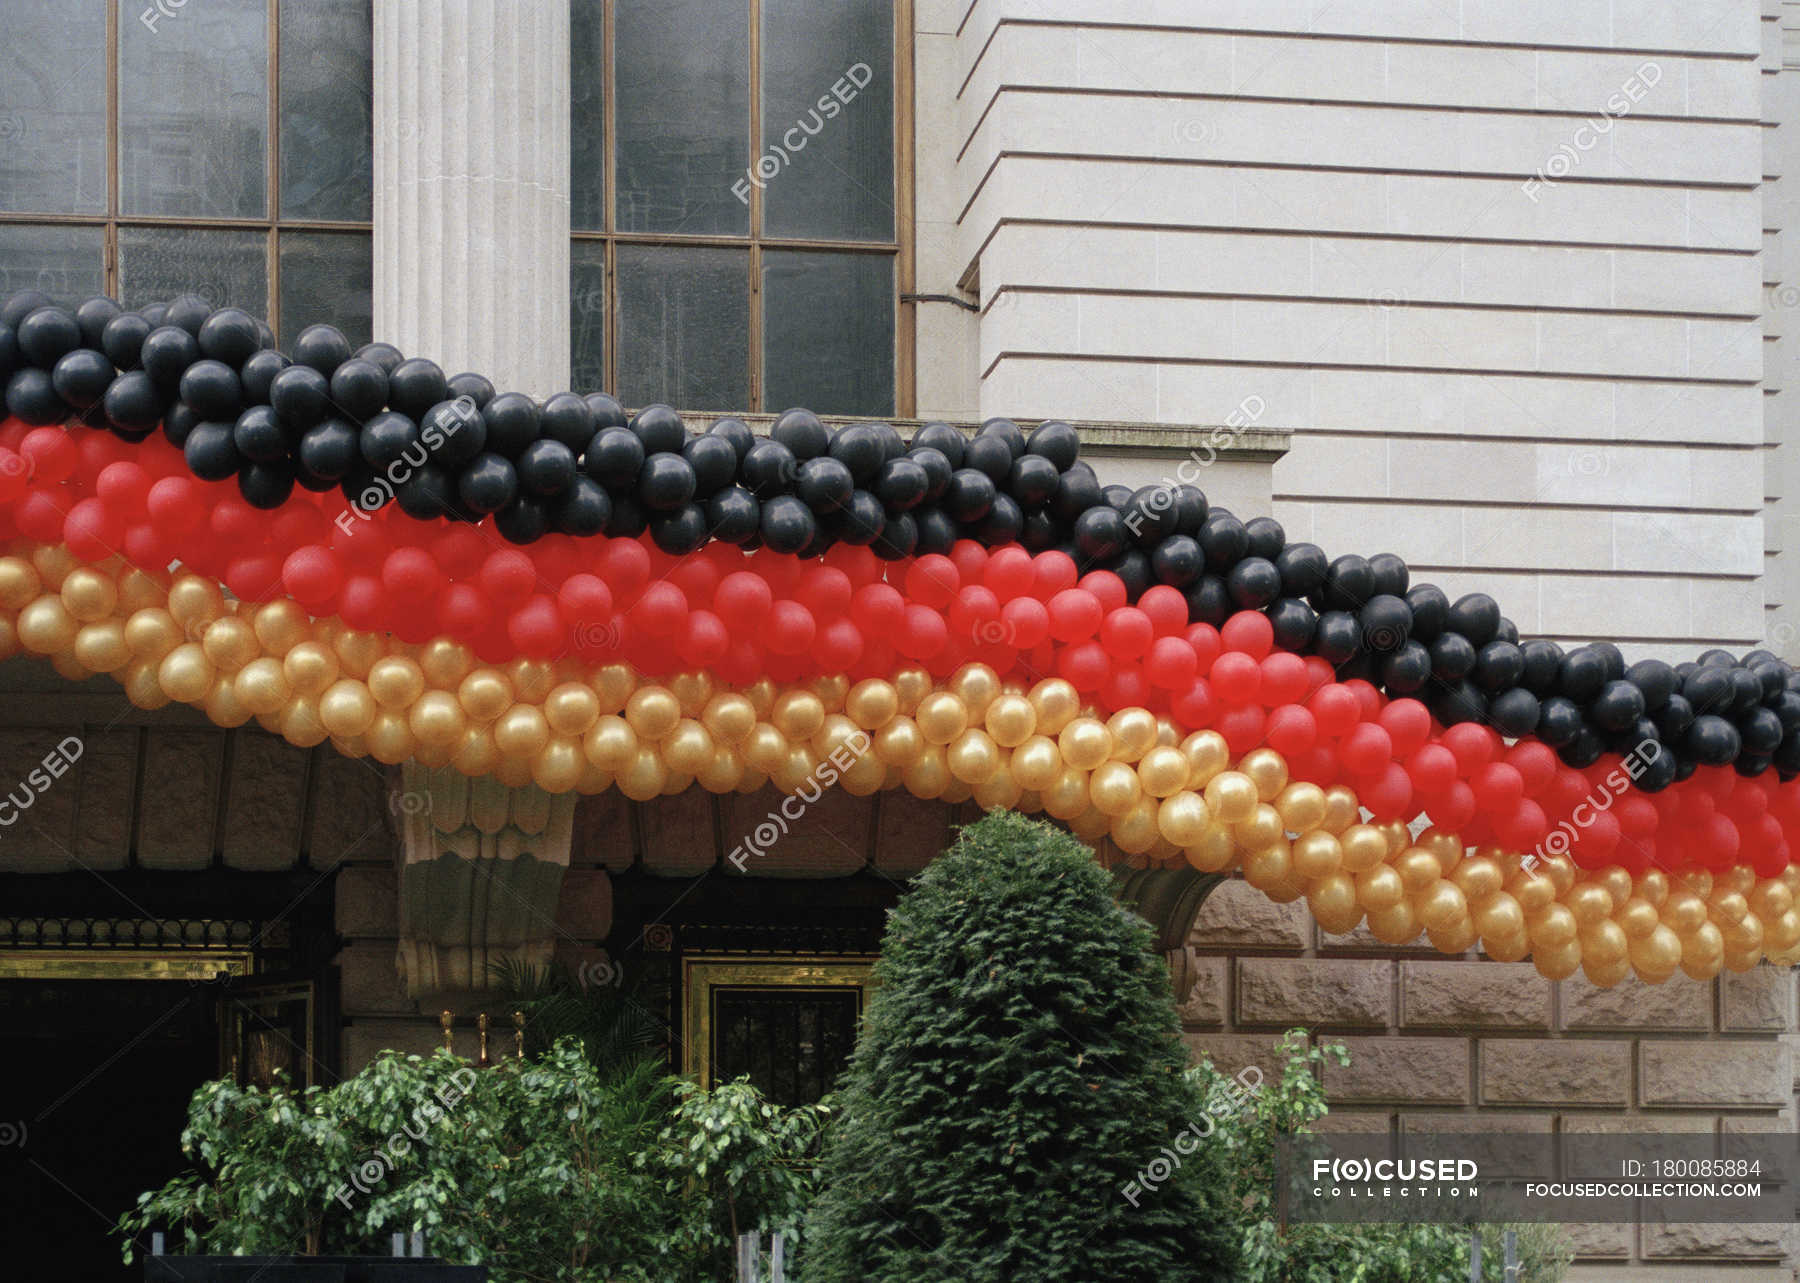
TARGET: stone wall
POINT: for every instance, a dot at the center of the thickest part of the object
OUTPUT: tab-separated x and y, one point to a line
1452	1044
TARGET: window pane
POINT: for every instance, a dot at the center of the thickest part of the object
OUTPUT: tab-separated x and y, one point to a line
224	268
684	327
52	122
828	332
828	119
587	116
325	145
682	86
325	279
587	316
67	263
193	109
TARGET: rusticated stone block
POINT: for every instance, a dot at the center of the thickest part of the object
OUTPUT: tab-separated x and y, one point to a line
1593	1124
1530	1071
1715	1071
39	809
350	822
602	832
1362	940
1599	1242
265	802
371	983
1632	1004
103	816
1473	995
910	832
1314	991
769	834
1231	1054
1739	1242
366	902
1402	1070
1758	1000
679	840
1355	1122
584	907
421	1036
180	798
1203	1003
1238	916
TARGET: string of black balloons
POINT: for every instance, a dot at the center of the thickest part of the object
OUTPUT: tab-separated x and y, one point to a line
322	416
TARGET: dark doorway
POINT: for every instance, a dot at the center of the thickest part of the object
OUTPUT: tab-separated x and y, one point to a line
793	1041
98	1074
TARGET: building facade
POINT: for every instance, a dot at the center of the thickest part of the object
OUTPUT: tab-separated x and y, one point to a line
1507	293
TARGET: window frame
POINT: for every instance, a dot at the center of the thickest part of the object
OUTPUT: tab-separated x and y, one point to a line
272	225
900	249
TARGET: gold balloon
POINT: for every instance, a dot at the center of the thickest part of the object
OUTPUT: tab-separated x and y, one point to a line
571	708
88	595
1302	807
613	685
1115	788
798	715
1479	877
1011	720
643	778
358	651
610	744
688	747
229	643
513	772
309	668
1769	899
1557	962
1317	855
1163	772
1056	703
1364	847
299	722
1737	878
1442	907
1615	881
531	678
1396	924
972	757
1551	927
899	742
444	662
1260	829
1656	953
19	583
928	777
558	766
1182	818
1560	870
101	647
67	666
1507	948
1457	937
1036	763
1534	891
842	736
395	682
1743	935
1085	743
1333	902
437	719
347	708
1268	866
1605	974
976	686
912	685
692	690
1418	869
872	703
1499	916
1214	852
141	687
1133	732
521	732
766	749
1702	951
1207	754
1267	771
194	601
1379	888
1091	826
941	717
1637	917
867	775
832	689
1341	810
46	626
722	773
221	705
999	791
1231	797
1727	906
1067	795
653	712
185	673
1654	887
728	717
1683	912
475	753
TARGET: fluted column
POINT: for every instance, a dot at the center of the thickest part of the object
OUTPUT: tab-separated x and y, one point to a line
472	186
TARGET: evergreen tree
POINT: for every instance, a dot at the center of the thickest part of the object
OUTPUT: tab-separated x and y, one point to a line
1018	1074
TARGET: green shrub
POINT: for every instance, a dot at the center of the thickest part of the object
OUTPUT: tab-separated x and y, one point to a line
1018	1070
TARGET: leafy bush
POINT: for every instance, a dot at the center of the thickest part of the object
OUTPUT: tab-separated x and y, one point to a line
1018	1068
1247	1128
541	1169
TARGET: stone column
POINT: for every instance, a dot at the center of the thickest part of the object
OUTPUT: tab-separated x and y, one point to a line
472	186
471	101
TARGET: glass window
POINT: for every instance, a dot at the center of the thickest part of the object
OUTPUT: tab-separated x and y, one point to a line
63	262
226	268
326	153
325	277
52	123
750	223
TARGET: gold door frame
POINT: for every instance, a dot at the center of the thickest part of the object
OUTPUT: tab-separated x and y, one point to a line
120	963
701	974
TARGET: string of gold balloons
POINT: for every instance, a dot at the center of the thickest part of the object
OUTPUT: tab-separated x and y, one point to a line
1131	783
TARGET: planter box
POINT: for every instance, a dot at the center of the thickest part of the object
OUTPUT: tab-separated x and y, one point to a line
308	1269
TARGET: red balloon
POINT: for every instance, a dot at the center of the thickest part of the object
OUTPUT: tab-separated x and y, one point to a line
1052	572
933	580
826	591
176	504
410	575
1205	640
463	612
362	603
1171	664
1106	586
52	454
976	612
254	578
625	565
1433	769
1292	731
1475	745
1250	632
1368	749
971	560
743	599
922	633
1125	687
125	487
1167	608
1318	765
704	640
1283	678
1237	678
537	629
1499	788
1242	727
791	628
1390	796
1025	622
839	646
1454	809
234	521
508	578
1075	615
1536	764
1196	708
1336	708
1084	666
659	611
585	599
15	475
1319	674
1126	633
1407	723
697	578
878	609
1598	839
1368	700
1009	573
1638	816
860	563
1523	829
313	577
743	663
91	532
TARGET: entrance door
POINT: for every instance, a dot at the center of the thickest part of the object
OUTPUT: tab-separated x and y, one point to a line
788	1024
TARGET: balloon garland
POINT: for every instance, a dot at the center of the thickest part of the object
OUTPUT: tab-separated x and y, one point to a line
415	566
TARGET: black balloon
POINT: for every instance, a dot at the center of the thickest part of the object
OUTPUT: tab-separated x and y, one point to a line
937	533
523	521
301	397
1178	562
1386	623
899	537
257	374
1055	441
1499	666
133	404
415	385
990	457
858	522
454	432
1100	535
329	450
383	355
733	515
1391	575
487	484
1077	490
567	419
969	496
1339	636
1349	583
1294	623
478	388
714	462
31	396
46	336
801	432
859	448
787	524
1452	657
768	470
387	438
901	484
1559	721
1406	670
258	435
1004	431
229	335
614	459
210	452
824	485
81	377
123	340
1223	540
1712	741
1542	666
266	485
943	438
547	468
511	421
665	484
21	304
1005	522
735	431
660	429
679	532
166	354
1618	706
1253	583
1266	537
583	509
1302	567
1032	480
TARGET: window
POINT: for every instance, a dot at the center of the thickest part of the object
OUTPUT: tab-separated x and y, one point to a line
734	188
161	147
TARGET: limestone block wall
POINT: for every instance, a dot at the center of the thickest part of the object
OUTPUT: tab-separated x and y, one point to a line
1451	1044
